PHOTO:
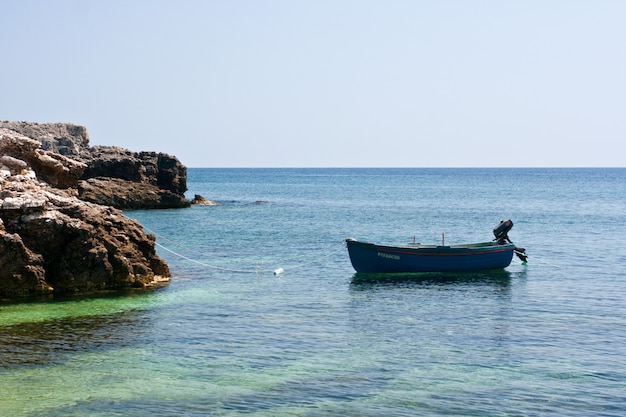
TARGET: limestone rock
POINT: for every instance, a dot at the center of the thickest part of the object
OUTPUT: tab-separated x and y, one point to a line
61	141
20	151
62	138
123	194
21	270
51	241
151	170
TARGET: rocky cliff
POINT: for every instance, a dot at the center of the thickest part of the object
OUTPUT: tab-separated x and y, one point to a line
53	242
112	175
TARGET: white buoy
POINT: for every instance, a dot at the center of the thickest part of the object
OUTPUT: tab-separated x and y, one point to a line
278	271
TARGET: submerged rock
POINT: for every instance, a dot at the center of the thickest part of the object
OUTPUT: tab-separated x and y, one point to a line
201	201
52	241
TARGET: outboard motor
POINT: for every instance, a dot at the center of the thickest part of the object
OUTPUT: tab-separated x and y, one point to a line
501	232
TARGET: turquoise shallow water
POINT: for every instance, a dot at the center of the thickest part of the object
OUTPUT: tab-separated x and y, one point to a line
548	338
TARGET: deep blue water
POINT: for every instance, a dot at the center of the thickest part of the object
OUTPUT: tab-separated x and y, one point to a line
228	337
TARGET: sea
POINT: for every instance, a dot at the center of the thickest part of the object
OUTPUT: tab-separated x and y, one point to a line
265	315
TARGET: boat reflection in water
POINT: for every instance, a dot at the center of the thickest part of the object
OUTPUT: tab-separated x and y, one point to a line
497	277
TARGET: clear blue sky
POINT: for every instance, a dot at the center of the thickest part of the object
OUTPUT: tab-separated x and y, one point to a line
340	83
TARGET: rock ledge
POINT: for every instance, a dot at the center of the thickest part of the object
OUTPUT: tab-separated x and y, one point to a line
137	179
53	242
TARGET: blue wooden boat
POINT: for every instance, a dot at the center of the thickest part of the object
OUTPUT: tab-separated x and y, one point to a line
415	257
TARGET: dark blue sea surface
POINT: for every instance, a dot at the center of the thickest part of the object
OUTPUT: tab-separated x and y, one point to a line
228	337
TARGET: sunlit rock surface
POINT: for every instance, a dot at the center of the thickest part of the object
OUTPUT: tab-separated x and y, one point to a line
53	242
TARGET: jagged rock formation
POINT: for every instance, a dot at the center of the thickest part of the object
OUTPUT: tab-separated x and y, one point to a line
133	180
126	179
63	138
124	194
51	241
57	170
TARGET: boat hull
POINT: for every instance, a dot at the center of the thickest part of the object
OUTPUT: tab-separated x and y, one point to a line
371	258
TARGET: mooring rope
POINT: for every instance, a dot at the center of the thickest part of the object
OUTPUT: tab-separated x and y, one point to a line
241	271
535	258
257	270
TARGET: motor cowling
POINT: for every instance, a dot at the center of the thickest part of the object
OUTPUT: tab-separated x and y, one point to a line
501	232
